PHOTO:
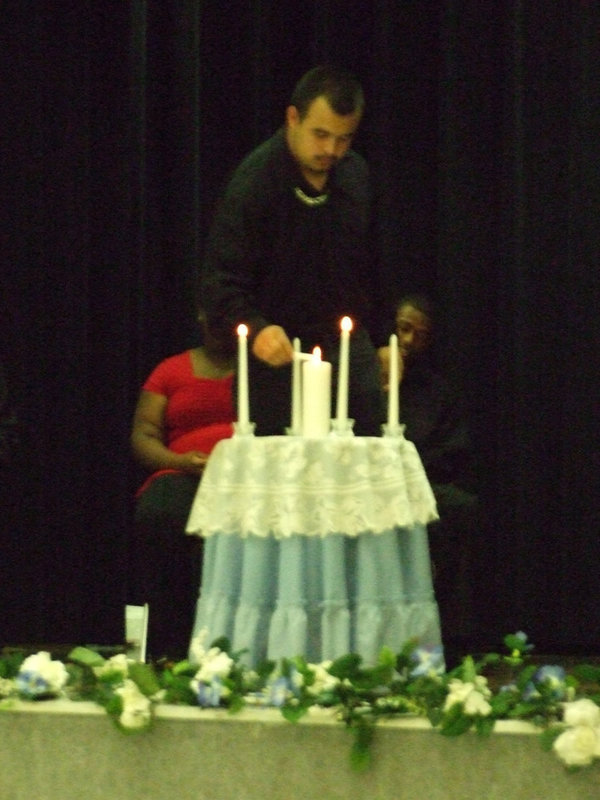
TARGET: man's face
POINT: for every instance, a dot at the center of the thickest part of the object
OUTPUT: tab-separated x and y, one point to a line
319	140
414	331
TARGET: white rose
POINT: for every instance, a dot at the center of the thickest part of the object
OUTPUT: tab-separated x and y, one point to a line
582	712
133	719
216	663
118	664
475	703
197	650
54	673
136	706
457	692
324	680
471	695
577	746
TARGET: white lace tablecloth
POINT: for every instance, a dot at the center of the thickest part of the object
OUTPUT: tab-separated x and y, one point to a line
284	486
315	547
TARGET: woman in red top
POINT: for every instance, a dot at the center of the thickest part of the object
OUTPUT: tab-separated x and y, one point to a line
184	408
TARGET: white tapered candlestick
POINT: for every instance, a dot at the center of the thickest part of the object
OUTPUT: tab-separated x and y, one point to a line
296	422
343	371
242	369
394	385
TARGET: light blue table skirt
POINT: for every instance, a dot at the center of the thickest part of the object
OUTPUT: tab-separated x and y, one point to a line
318	597
315	547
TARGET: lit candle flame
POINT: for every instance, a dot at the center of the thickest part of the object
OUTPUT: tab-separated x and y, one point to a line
346	324
242	329
316	354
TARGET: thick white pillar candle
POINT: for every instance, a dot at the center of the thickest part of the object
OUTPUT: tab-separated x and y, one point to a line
394	387
242	370
296	422
343	371
316	396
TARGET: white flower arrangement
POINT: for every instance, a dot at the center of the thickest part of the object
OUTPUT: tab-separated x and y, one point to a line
40	676
324	682
413	681
114	666
136	707
471	695
579	744
212	663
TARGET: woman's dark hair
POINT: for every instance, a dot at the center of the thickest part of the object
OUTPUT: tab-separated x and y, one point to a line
421	302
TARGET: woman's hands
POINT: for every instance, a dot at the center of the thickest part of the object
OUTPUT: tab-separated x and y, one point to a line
192	462
148	440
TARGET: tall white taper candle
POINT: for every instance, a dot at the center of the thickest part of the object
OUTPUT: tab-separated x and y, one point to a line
343	371
242	370
296	422
394	387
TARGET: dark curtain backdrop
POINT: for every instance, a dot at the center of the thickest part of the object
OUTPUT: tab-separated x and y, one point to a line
120	122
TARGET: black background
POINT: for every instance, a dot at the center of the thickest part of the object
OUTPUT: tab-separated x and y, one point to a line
119	122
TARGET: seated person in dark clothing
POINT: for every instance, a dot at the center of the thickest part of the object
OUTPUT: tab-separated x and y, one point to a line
432	413
185	407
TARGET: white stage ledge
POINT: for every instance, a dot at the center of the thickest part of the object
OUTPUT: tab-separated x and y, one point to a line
62	749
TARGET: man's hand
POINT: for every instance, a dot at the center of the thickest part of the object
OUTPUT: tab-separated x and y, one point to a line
272	346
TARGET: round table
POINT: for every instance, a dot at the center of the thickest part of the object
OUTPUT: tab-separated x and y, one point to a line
315	547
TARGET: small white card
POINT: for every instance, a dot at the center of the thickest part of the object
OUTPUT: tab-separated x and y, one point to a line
136	630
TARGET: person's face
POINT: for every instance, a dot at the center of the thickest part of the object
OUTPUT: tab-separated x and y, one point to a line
321	139
414	331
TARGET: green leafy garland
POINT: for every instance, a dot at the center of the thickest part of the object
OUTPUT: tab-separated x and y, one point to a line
565	706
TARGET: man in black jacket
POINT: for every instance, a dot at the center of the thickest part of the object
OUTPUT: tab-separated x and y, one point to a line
289	252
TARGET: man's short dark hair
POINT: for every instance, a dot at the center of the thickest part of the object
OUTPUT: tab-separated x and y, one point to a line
340	88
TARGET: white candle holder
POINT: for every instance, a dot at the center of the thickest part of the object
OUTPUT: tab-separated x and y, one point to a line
342	427
243	428
393	431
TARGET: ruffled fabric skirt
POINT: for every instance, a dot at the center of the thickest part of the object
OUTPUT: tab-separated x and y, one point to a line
318	597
